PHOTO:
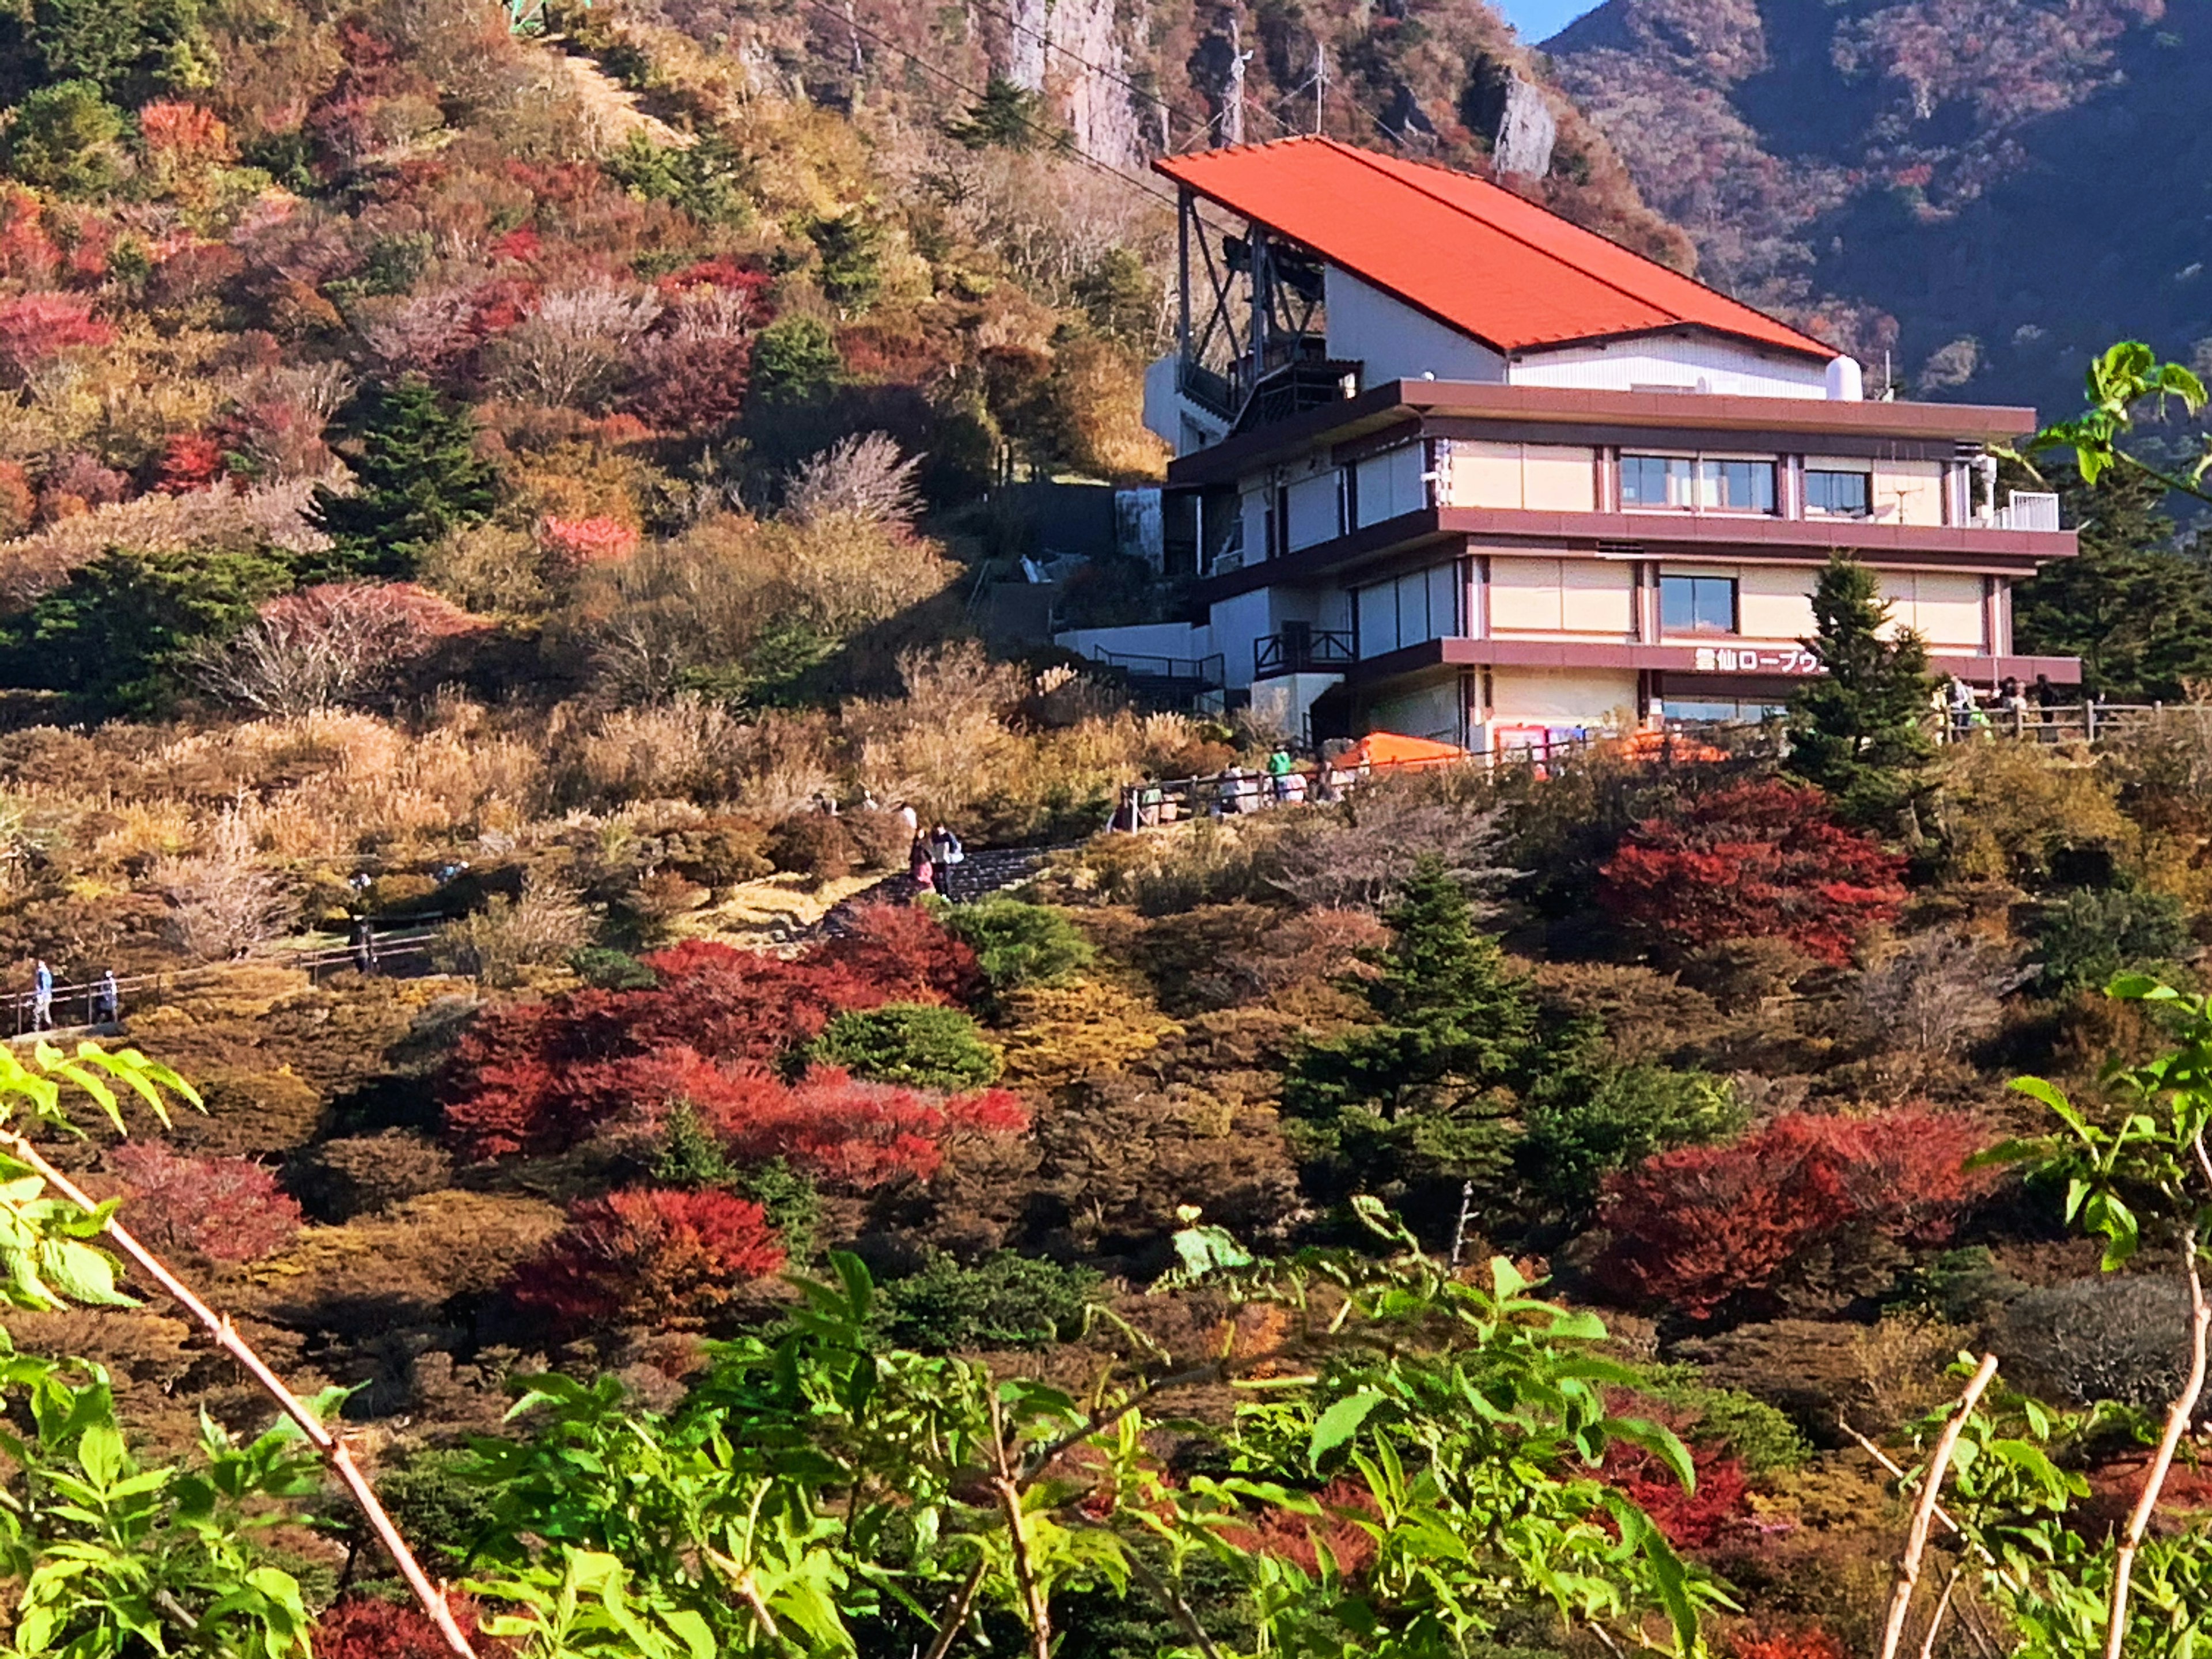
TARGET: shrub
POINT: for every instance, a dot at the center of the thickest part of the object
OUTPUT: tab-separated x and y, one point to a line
2090	934
813	844
228	1209
1005	1301
650	1254
859	1135
792	1202
547	923
1692	1518
2123	1338
1017	945
333	643
353	1175
437	1505
1809	1644
905	1042
1578	1126
607	969
794	358
420	477
362	1627
1938	992
1755	1434
907	952
1753	860
1802	1208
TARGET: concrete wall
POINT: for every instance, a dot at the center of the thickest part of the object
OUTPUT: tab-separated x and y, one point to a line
1397	342
1678	362
1178	640
1434	710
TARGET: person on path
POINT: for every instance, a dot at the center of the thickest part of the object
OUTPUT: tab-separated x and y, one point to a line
107	1001
364	945
920	866
1278	770
909	817
42	997
944	847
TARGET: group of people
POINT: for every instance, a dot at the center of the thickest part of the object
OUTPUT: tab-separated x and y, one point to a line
104	1007
929	857
1283	782
1967	713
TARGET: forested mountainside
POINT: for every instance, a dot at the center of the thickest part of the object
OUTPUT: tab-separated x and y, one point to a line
1990	191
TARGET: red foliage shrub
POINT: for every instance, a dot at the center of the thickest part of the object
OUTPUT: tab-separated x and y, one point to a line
36	326
522	245
672	1257
1812	1643
185	133
587	541
905	952
364	1628
18	502
1755	860
190	461
860	1135
228	1209
1299	1539
1708	1226
28	254
680	383
1691	1520
722	272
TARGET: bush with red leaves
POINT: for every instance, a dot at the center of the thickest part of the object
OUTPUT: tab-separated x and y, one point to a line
672	1257
543	1077
906	951
36	326
1764	859
228	1209
1692	1520
364	1628
1812	1643
1299	1539
854	1134
1740	1228
190	461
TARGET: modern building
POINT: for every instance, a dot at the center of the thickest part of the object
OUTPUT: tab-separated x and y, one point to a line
1449	465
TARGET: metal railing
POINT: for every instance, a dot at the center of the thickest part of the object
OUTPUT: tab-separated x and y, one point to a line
80	1004
2057	723
1300	651
2025	509
1200	673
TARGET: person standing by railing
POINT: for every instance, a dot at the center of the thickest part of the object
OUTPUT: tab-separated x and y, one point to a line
106	1000
42	997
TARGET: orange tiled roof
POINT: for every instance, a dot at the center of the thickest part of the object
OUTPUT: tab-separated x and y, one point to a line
1472	255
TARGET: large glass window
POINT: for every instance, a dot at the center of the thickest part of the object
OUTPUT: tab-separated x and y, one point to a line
1420	605
1655	481
1696	604
1842	495
1710	483
1737	486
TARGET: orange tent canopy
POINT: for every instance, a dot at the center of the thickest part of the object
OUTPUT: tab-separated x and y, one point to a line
1379	749
1670	745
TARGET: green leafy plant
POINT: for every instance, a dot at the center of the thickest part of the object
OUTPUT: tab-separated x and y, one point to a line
1017	944
1004	1301
913	1043
2086	936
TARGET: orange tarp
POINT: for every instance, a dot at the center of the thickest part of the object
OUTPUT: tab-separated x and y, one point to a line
1668	745
1379	749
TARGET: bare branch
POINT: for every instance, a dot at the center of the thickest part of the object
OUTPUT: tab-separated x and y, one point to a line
1923	1512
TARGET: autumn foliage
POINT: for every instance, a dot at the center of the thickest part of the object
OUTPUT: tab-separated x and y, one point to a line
228	1209
1692	1518
1709	1228
712	1034
670	1256
365	1627
1764	859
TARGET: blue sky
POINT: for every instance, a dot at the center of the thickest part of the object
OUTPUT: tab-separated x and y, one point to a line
1539	20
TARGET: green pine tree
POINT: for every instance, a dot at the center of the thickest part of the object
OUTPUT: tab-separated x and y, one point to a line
1430	1090
2133	608
1862	724
418	477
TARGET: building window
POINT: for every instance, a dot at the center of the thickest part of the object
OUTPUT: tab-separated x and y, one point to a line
1706	484
1418	606
1737	486
1655	481
1696	604
1840	494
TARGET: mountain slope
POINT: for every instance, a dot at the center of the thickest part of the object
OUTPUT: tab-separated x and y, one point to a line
1989	189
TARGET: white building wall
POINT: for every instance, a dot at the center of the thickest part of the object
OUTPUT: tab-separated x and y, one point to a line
1178	640
1397	342
1435	710
1673	362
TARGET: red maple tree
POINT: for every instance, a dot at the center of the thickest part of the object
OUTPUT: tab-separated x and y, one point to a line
228	1209
1764	859
654	1253
1707	1227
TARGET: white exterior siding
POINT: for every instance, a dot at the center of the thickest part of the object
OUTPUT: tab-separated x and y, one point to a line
1397	342
1316	510
1679	363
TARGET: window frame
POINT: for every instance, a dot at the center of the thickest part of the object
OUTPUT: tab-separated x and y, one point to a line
1696	462
1735	585
1864	474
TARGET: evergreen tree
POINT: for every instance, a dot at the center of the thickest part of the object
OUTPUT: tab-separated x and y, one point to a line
1429	1091
418	475
1862	724
1005	118
2136	610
